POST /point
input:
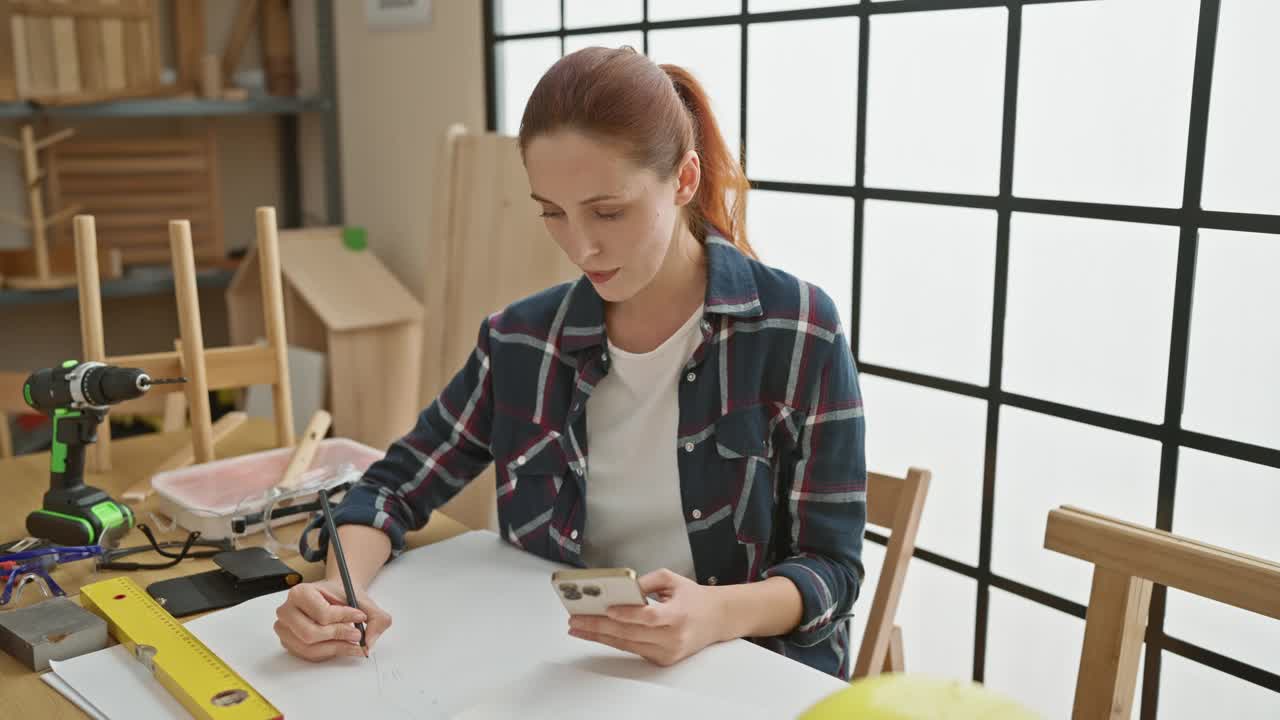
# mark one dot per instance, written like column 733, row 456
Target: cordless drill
column 77, row 394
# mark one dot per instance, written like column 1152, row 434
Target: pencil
column 342, row 562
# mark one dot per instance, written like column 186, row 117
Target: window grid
column 1189, row 218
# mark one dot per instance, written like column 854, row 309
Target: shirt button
column 688, row 447
column 712, row 580
column 604, row 357
column 696, row 514
column 520, row 460
column 691, row 377
column 573, row 535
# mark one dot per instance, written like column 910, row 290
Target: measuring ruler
column 206, row 686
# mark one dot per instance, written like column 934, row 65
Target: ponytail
column 658, row 113
column 721, row 201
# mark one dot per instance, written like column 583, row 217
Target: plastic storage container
column 204, row 498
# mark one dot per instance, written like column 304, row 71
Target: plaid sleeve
column 827, row 506
column 448, row 446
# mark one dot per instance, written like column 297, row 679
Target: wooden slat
column 227, row 367
column 66, row 52
column 89, row 50
column 95, row 184
column 21, row 55
column 1113, row 631
column 246, row 13
column 156, row 146
column 188, row 30
column 40, row 57
column 1231, row 577
column 907, row 508
column 883, row 493
column 115, row 166
column 104, row 202
column 276, row 32
column 137, row 39
column 79, row 8
column 54, row 139
column 8, row 69
column 113, row 50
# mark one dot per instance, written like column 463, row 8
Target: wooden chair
column 894, row 503
column 1127, row 559
column 487, row 248
column 206, row 369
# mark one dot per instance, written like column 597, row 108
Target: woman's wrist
column 761, row 609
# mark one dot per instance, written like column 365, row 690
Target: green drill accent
column 70, row 364
column 109, row 513
column 26, row 391
column 59, row 450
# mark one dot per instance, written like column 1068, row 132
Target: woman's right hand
column 316, row 624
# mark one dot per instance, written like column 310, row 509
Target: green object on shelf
column 355, row 238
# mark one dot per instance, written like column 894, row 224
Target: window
column 1053, row 230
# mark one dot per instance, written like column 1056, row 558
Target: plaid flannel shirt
column 770, row 446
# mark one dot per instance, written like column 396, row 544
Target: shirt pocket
column 746, row 459
column 534, row 452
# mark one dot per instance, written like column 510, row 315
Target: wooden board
column 134, row 187
column 188, row 31
column 79, row 50
column 276, row 32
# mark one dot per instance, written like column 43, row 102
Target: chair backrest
column 894, row 503
column 487, row 248
column 1127, row 559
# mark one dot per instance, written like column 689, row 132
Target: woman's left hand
column 688, row 618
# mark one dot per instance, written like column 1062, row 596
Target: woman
column 717, row 395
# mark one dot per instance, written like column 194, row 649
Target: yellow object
column 207, row 687
column 916, row 697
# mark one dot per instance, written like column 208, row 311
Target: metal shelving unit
column 288, row 110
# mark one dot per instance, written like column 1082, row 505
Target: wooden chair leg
column 1114, row 628
column 6, row 440
column 893, row 662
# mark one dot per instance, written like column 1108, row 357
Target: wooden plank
column 246, row 13
column 188, row 29
column 1248, row 582
column 66, row 53
column 1114, row 627
column 105, row 202
column 276, row 32
column 21, row 55
column 235, row 366
column 41, row 60
column 136, row 63
column 79, row 9
column 272, row 284
column 93, row 184
column 109, row 166
column 8, row 66
column 92, row 339
column 89, row 50
column 886, row 490
column 113, row 51
column 873, row 654
column 150, row 146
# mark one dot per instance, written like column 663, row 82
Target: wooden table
column 25, row 479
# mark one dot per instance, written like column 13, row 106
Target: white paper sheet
column 470, row 615
column 68, row 692
column 564, row 692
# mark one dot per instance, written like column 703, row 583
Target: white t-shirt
column 635, row 517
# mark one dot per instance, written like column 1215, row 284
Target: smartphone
column 592, row 591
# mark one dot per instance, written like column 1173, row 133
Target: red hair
column 655, row 114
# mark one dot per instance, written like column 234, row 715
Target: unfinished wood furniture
column 1127, row 559
column 37, row 222
column 342, row 301
column 60, row 51
column 205, row 370
column 133, row 187
column 894, row 503
column 486, row 249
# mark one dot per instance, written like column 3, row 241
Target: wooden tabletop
column 26, row 478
